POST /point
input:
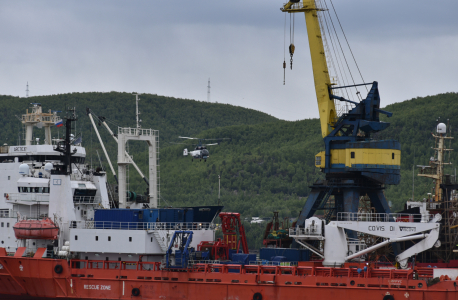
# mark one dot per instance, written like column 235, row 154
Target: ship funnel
column 441, row 128
column 24, row 169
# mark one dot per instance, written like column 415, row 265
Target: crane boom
column 326, row 106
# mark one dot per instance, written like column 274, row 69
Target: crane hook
column 284, row 71
column 291, row 52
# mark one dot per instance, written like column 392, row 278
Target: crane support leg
column 379, row 202
column 351, row 200
column 316, row 196
column 350, row 204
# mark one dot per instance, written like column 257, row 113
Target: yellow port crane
column 355, row 164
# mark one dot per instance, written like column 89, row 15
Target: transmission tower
column 208, row 91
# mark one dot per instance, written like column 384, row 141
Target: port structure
column 354, row 164
column 151, row 137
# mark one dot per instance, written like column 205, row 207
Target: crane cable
column 340, row 68
column 348, row 44
column 341, row 49
column 291, row 39
column 332, row 50
column 284, row 52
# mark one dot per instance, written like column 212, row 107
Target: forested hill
column 267, row 165
column 172, row 116
column 412, row 123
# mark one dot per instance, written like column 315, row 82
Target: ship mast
column 435, row 170
column 39, row 119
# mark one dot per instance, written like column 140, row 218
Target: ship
column 66, row 239
column 63, row 237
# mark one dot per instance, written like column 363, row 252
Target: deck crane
column 354, row 163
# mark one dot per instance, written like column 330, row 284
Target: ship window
column 3, row 224
column 109, row 238
column 76, row 237
column 46, row 190
column 130, row 238
column 106, row 258
column 7, row 224
column 352, row 154
column 84, row 192
column 119, row 258
column 19, row 189
column 9, row 177
column 151, row 239
column 96, row 237
column 392, row 155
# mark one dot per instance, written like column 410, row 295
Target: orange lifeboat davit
column 44, row 229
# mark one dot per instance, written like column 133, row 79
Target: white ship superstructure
column 39, row 181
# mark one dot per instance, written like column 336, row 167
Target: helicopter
column 200, row 151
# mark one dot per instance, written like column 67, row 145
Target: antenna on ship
column 137, row 112
column 27, row 90
column 208, row 91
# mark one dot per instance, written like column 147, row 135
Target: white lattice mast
column 137, row 113
column 208, row 91
column 27, row 90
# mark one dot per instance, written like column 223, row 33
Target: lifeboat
column 44, row 229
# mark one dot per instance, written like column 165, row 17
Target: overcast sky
column 172, row 47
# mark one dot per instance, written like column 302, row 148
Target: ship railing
column 309, row 231
column 137, row 131
column 273, row 263
column 381, row 217
column 303, row 271
column 114, row 265
column 30, row 197
column 86, row 199
column 193, row 262
column 149, row 226
column 5, row 213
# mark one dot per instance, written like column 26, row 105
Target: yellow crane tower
column 354, row 163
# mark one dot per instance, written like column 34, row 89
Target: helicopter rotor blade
column 187, row 137
column 216, row 139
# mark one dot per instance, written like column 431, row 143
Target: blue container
column 289, row 254
column 305, row 255
column 204, row 214
column 243, row 258
column 118, row 218
column 189, row 215
column 150, row 215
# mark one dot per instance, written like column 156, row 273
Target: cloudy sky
column 172, row 47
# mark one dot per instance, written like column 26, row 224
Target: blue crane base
column 346, row 192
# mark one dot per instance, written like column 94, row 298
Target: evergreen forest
column 265, row 164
